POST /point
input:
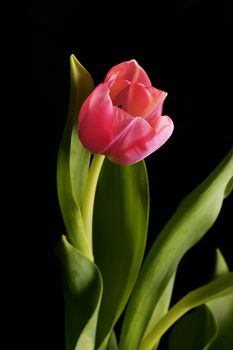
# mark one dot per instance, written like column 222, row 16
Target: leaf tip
column 228, row 188
column 221, row 267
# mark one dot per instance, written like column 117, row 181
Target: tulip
column 122, row 118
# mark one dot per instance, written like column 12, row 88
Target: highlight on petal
column 139, row 140
column 158, row 108
column 95, row 120
column 131, row 71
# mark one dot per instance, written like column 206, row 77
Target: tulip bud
column 122, row 117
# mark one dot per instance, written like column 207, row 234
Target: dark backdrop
column 184, row 46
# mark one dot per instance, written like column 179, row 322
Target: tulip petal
column 157, row 112
column 121, row 122
column 116, row 86
column 139, row 140
column 131, row 71
column 138, row 100
column 157, row 98
column 95, row 120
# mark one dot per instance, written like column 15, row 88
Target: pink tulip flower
column 122, row 117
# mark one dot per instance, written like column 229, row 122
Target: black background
column 184, row 46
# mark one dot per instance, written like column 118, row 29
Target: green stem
column 89, row 195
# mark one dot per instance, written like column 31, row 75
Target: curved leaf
column 218, row 288
column 222, row 311
column 194, row 216
column 73, row 160
column 120, row 231
column 194, row 331
column 197, row 325
column 82, row 291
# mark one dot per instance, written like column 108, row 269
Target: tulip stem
column 89, row 195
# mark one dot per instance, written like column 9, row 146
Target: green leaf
column 221, row 266
column 82, row 279
column 74, row 160
column 161, row 308
column 112, row 345
column 220, row 287
column 120, row 231
column 194, row 216
column 82, row 291
column 222, row 311
column 194, row 331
